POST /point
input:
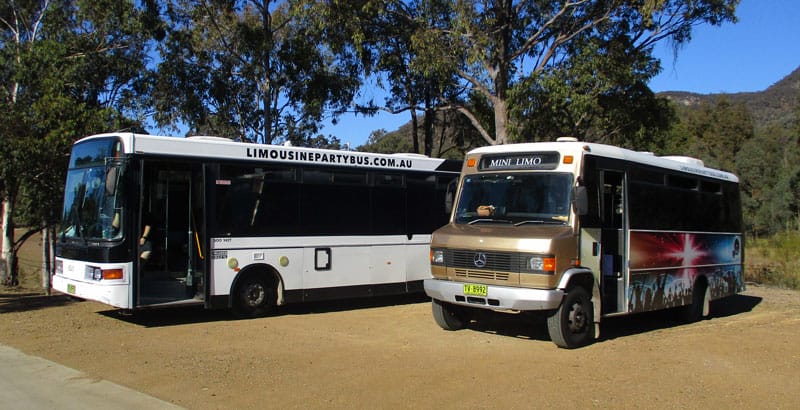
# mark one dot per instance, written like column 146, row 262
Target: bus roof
column 223, row 148
column 578, row 149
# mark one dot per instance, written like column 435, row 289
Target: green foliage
column 381, row 142
column 254, row 70
column 548, row 68
column 68, row 69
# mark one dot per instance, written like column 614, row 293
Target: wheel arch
column 586, row 279
column 263, row 270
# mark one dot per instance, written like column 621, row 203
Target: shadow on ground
column 534, row 326
column 174, row 316
column 15, row 301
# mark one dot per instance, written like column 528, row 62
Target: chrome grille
column 494, row 261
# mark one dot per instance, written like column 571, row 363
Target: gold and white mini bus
column 585, row 231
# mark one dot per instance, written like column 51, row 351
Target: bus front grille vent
column 480, row 274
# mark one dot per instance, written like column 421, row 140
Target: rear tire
column 572, row 325
column 449, row 316
column 252, row 297
column 695, row 311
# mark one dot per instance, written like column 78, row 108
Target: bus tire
column 572, row 324
column 449, row 316
column 693, row 312
column 252, row 297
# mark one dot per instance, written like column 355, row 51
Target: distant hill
column 777, row 105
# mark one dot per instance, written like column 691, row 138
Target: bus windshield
column 92, row 196
column 515, row 199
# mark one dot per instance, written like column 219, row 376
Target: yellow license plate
column 475, row 290
column 70, row 288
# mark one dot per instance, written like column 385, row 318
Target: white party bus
column 154, row 221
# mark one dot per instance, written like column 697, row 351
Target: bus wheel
column 572, row 325
column 448, row 316
column 252, row 297
column 694, row 311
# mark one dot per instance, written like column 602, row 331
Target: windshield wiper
column 488, row 220
column 531, row 221
column 541, row 221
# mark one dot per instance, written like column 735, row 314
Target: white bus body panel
column 322, row 262
column 73, row 281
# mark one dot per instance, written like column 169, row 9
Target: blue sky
column 758, row 51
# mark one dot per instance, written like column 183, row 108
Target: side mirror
column 580, row 200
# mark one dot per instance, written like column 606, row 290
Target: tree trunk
column 46, row 259
column 7, row 257
column 414, row 130
column 430, row 115
column 500, row 121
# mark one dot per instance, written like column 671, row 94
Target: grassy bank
column 774, row 260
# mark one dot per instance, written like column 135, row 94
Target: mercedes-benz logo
column 479, row 259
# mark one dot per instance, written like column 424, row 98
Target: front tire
column 572, row 325
column 252, row 297
column 449, row 316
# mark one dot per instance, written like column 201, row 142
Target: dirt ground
column 389, row 353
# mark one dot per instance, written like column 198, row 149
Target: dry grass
column 774, row 260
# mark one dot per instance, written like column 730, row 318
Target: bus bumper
column 497, row 297
column 111, row 294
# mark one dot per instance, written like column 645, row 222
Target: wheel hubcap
column 577, row 318
column 254, row 295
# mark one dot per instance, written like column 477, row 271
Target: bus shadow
column 534, row 326
column 14, row 302
column 664, row 319
column 176, row 316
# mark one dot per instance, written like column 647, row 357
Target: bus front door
column 170, row 204
column 613, row 241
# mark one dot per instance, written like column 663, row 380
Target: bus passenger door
column 171, row 199
column 612, row 242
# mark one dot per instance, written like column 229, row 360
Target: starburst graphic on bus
column 688, row 252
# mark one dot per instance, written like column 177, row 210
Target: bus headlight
column 437, row 257
column 59, row 267
column 539, row 264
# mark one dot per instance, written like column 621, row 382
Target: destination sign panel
column 532, row 160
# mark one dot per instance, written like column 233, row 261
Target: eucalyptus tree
column 416, row 83
column 68, row 68
column 255, row 70
column 511, row 51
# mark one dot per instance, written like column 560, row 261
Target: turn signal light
column 112, row 274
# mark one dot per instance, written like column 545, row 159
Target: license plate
column 70, row 288
column 475, row 290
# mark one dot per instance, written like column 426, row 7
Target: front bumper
column 497, row 298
